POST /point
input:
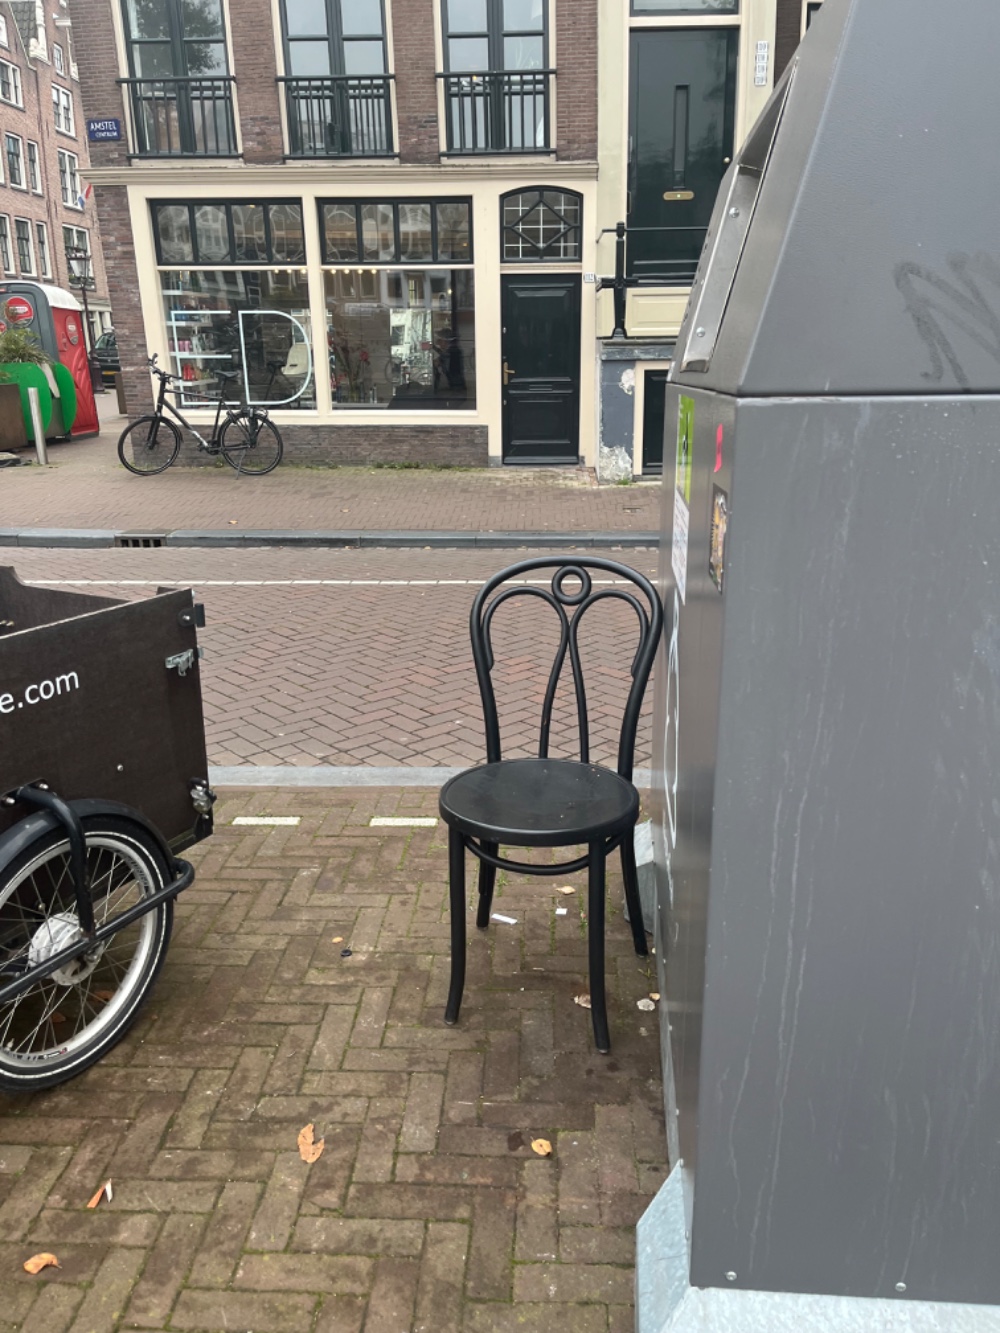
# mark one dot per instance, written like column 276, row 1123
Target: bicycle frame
column 163, row 404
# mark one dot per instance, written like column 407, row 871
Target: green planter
column 26, row 375
column 63, row 407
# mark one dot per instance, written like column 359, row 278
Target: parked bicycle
column 246, row 437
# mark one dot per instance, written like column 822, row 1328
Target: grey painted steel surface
column 828, row 728
column 871, row 265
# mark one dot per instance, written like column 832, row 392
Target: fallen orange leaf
column 310, row 1148
column 39, row 1261
column 104, row 1190
column 541, row 1146
column 654, row 994
column 57, row 1017
column 337, row 939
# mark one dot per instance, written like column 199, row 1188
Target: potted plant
column 24, row 365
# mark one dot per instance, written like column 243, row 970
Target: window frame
column 541, row 190
column 43, row 250
column 495, row 35
column 6, row 254
column 227, row 205
column 62, row 103
column 77, row 232
column 34, row 173
column 691, row 11
column 357, row 202
column 31, row 272
column 177, row 43
column 336, row 42
column 14, row 76
column 58, row 59
column 8, row 138
column 4, row 39
column 74, row 204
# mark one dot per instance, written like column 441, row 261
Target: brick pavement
column 86, row 487
column 378, row 675
column 428, row 1212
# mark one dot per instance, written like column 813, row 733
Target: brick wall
column 576, row 79
column 34, row 121
column 416, row 85
column 256, row 69
column 353, row 446
column 787, row 33
column 123, row 283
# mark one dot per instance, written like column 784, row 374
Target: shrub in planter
column 24, row 363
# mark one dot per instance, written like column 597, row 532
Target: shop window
column 419, row 231
column 229, row 233
column 541, row 226
column 401, row 339
column 255, row 321
column 678, row 7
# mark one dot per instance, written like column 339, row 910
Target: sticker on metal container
column 718, row 531
column 19, row 310
column 682, row 494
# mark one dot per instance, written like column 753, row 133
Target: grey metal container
column 828, row 729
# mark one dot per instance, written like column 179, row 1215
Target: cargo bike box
column 103, row 781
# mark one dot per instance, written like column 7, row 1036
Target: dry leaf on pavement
column 541, row 1146
column 104, row 1190
column 337, row 939
column 566, row 888
column 39, row 1261
column 582, row 1000
column 654, row 994
column 310, row 1149
column 645, row 1005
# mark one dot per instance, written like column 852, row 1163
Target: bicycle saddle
column 227, row 374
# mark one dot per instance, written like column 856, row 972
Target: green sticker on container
column 685, row 444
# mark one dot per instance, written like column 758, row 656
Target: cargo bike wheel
column 68, row 1020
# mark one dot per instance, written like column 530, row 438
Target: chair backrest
column 570, row 607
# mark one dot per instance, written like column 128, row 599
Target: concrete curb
column 355, row 775
column 210, row 537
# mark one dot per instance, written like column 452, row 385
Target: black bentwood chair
column 547, row 802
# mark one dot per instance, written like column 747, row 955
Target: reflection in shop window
column 255, row 321
column 401, row 338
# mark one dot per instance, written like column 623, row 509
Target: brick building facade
column 389, row 216
column 43, row 154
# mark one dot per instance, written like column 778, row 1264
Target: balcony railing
column 182, row 117
column 499, row 112
column 342, row 116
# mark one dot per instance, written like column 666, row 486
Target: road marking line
column 390, row 821
column 284, row 820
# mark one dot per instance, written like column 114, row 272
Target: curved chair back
column 570, row 607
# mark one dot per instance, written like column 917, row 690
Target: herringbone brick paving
column 87, row 487
column 428, row 1211
column 378, row 675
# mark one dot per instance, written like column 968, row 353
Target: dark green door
column 682, row 99
column 541, row 368
column 654, row 394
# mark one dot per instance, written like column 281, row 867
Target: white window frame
column 62, row 104
column 21, row 158
column 43, row 250
column 58, row 59
column 6, row 257
column 73, row 172
column 4, row 39
column 34, row 173
column 14, row 75
column 31, row 272
column 77, row 232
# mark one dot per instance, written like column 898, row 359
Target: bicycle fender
column 26, row 831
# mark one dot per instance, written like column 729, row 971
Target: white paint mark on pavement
column 393, row 821
column 284, row 820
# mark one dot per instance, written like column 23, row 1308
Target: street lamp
column 81, row 276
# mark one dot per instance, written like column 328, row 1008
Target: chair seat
column 539, row 802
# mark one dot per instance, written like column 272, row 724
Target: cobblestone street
column 428, row 1211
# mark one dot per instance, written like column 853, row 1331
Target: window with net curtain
column 541, row 226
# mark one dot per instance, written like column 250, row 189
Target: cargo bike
column 103, row 781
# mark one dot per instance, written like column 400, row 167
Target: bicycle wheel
column 66, row 1021
column 251, row 444
column 149, row 445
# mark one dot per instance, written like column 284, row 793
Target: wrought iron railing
column 183, row 117
column 343, row 116
column 499, row 112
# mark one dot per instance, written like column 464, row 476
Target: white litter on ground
column 286, row 820
column 507, row 920
column 396, row 821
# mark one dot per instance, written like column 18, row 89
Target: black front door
column 654, row 395
column 682, row 99
column 541, row 367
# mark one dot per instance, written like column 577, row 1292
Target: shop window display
column 402, row 338
column 255, row 321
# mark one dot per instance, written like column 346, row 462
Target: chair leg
column 630, row 874
column 487, row 882
column 595, row 945
column 456, row 893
